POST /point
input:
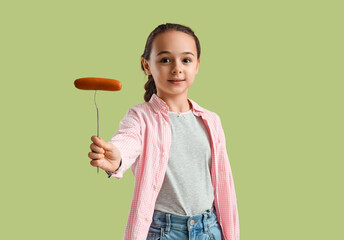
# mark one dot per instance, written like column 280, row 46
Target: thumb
column 105, row 145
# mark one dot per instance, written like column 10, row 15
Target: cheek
column 162, row 70
column 156, row 67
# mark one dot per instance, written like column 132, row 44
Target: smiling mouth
column 176, row 80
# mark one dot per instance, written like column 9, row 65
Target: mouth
column 176, row 80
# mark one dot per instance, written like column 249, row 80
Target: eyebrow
column 162, row 52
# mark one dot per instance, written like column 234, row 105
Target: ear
column 145, row 65
column 198, row 62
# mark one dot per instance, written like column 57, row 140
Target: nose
column 176, row 68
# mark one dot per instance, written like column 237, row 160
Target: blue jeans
column 167, row 226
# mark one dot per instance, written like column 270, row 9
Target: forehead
column 175, row 42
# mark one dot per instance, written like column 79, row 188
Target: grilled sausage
column 96, row 83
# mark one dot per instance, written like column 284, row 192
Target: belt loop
column 205, row 229
column 168, row 223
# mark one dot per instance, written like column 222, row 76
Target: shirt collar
column 160, row 105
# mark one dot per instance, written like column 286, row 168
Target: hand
column 104, row 155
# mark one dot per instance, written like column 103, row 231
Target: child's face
column 173, row 56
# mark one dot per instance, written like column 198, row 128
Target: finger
column 96, row 140
column 97, row 149
column 95, row 163
column 95, row 156
column 103, row 164
column 101, row 143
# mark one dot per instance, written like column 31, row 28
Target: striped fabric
column 144, row 140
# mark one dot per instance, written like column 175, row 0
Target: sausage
column 96, row 83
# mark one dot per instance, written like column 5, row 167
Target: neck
column 176, row 103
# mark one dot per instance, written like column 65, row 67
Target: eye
column 187, row 60
column 164, row 60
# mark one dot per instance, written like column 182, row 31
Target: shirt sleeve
column 225, row 164
column 128, row 140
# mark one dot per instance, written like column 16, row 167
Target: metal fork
column 95, row 92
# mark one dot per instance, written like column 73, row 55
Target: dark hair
column 150, row 84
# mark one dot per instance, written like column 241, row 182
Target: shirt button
column 155, row 186
column 164, row 154
column 147, row 219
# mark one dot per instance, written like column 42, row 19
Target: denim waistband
column 167, row 220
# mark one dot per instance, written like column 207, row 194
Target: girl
column 176, row 149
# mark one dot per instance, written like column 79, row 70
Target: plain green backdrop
column 272, row 71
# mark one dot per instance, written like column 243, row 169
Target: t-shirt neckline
column 179, row 113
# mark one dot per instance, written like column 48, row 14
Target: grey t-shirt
column 187, row 188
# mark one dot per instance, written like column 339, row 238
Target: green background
column 272, row 71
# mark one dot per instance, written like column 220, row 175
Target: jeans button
column 192, row 222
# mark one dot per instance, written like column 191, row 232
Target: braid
column 150, row 88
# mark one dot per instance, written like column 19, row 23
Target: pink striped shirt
column 144, row 140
